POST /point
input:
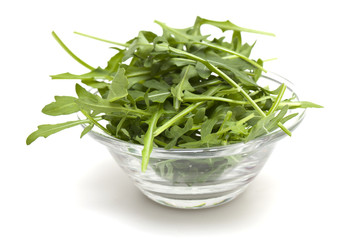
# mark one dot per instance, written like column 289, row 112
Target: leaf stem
column 148, row 140
column 176, row 118
column 70, row 52
column 87, row 115
column 278, row 99
column 221, row 99
column 270, row 59
column 103, row 40
column 212, row 98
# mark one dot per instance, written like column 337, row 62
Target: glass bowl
column 199, row 177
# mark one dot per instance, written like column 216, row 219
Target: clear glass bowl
column 199, row 177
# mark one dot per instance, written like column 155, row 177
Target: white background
column 64, row 187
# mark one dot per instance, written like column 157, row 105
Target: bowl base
column 203, row 202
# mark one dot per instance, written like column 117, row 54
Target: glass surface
column 199, row 177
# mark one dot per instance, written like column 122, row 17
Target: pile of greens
column 178, row 90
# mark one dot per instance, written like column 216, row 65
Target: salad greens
column 180, row 89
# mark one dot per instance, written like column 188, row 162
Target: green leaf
column 140, row 47
column 207, row 127
column 159, row 85
column 49, row 129
column 179, row 62
column 62, row 106
column 266, row 124
column 118, row 87
column 115, row 61
column 239, row 55
column 104, row 106
column 155, row 96
column 202, row 70
column 83, row 93
column 87, row 129
column 299, row 104
column 258, row 71
column 176, row 132
column 159, row 96
column 233, row 67
column 199, row 116
column 181, row 35
column 95, row 84
column 236, row 127
column 98, row 73
column 277, row 100
column 227, row 25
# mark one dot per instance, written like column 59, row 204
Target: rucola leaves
column 177, row 90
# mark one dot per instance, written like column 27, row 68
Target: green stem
column 118, row 127
column 103, row 40
column 70, row 52
column 148, row 140
column 95, row 122
column 222, row 99
column 278, row 99
column 270, row 59
column 207, row 83
column 212, row 98
column 136, row 74
column 284, row 129
column 275, row 106
column 176, row 118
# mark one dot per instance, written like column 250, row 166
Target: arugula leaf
column 49, row 129
column 266, row 124
column 227, row 25
column 159, row 96
column 95, row 84
column 155, row 84
column 118, row 87
column 181, row 35
column 115, row 61
column 82, row 93
column 62, row 106
column 87, row 129
column 97, row 73
column 299, row 104
column 207, row 127
column 176, row 132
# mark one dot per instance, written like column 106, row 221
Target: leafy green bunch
column 177, row 90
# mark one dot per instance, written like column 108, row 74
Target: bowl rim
column 269, row 137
